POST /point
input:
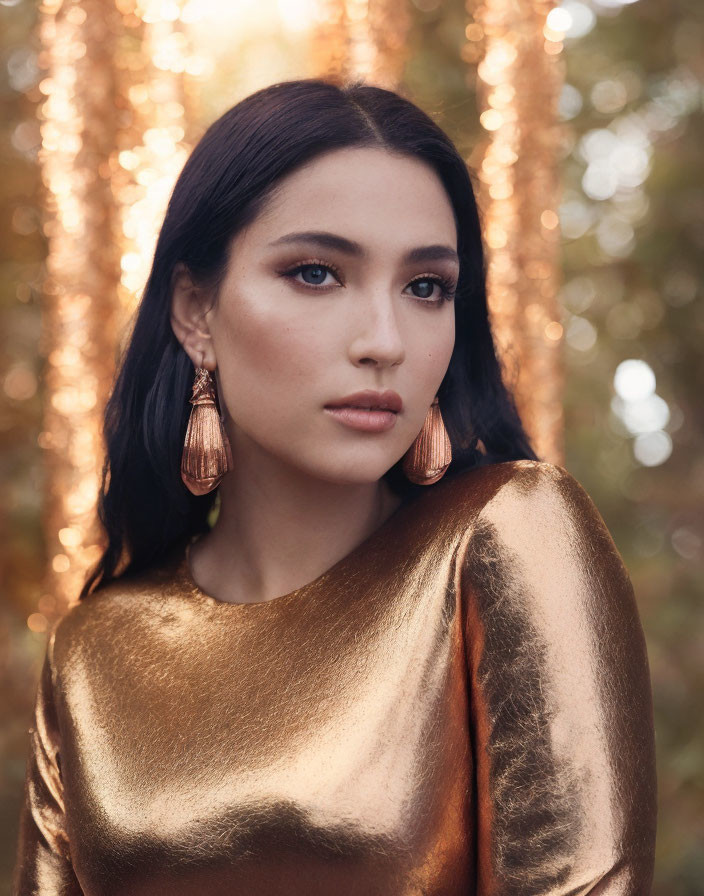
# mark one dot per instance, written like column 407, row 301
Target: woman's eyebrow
column 327, row 240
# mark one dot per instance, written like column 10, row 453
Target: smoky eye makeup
column 319, row 272
column 315, row 267
column 447, row 285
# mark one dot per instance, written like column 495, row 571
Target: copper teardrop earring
column 431, row 452
column 206, row 449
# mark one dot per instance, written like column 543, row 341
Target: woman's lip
column 376, row 420
column 387, row 400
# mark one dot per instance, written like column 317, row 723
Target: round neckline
column 196, row 591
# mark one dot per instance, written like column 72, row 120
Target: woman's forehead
column 365, row 196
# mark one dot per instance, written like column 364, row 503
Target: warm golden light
column 549, row 219
column 37, row 622
column 519, row 78
column 78, row 43
column 357, row 38
column 491, row 120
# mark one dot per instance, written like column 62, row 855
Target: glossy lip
column 387, row 401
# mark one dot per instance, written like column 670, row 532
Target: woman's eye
column 426, row 285
column 316, row 272
column 313, row 274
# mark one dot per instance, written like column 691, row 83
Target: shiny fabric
column 461, row 705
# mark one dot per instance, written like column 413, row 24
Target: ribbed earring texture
column 429, row 456
column 206, row 450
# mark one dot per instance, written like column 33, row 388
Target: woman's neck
column 278, row 529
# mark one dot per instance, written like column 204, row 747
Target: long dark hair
column 144, row 506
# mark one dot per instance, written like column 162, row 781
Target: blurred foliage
column 632, row 220
column 642, row 294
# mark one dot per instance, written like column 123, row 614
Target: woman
column 400, row 655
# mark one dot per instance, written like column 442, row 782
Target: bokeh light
column 634, row 380
column 520, row 78
column 643, row 413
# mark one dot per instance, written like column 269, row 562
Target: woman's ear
column 188, row 319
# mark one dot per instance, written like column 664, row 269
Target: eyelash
column 447, row 286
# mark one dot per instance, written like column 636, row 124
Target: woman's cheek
column 436, row 356
column 267, row 381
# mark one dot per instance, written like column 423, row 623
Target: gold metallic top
column 461, row 705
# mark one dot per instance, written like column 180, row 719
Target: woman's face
column 301, row 322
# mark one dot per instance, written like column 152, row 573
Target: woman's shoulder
column 120, row 611
column 523, row 486
column 531, row 518
column 526, row 506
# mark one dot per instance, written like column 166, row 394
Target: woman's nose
column 378, row 338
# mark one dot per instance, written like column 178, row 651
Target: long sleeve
column 560, row 697
column 43, row 864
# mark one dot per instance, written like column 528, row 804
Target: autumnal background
column 625, row 355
